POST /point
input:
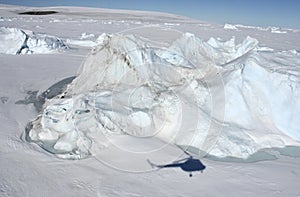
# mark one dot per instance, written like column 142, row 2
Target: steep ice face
column 11, row 40
column 17, row 41
column 262, row 105
column 222, row 98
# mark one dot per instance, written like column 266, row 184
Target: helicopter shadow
column 189, row 164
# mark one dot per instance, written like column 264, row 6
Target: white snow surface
column 18, row 41
column 226, row 99
column 120, row 167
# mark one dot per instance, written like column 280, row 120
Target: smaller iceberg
column 16, row 41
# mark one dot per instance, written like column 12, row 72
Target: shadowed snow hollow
column 17, row 41
column 222, row 98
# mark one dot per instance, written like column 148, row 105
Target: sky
column 282, row 13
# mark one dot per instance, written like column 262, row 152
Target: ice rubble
column 276, row 30
column 17, row 41
column 225, row 99
column 230, row 26
column 84, row 40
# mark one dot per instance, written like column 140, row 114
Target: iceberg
column 17, row 41
column 223, row 98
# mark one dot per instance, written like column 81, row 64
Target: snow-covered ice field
column 145, row 87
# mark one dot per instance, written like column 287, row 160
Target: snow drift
column 225, row 99
column 17, row 41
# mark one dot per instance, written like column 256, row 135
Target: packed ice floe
column 222, row 98
column 237, row 27
column 17, row 41
column 230, row 26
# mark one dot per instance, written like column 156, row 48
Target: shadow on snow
column 189, row 164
